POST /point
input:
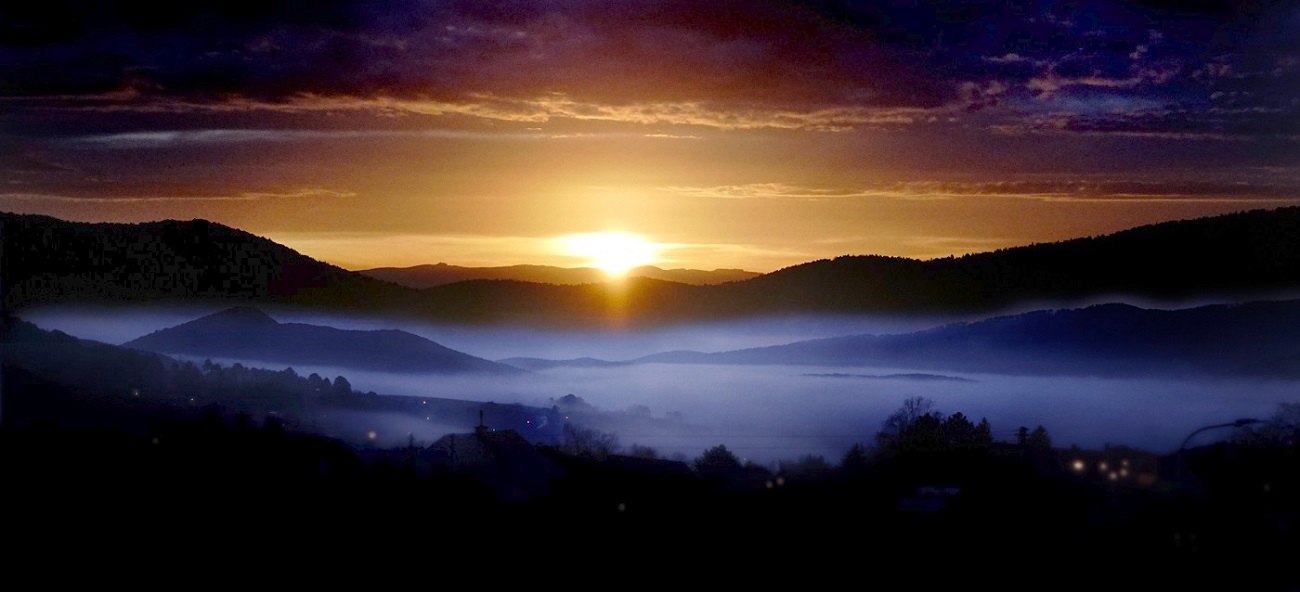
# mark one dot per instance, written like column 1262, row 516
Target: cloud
column 160, row 138
column 776, row 191
column 727, row 65
column 532, row 110
column 18, row 162
column 118, row 199
column 1051, row 83
column 1065, row 189
column 668, row 52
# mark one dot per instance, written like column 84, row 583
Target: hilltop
column 247, row 333
column 1235, row 257
column 429, row 276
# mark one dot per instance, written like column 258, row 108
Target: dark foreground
column 235, row 499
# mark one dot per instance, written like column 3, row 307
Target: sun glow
column 612, row 252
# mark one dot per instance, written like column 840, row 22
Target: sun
column 612, row 252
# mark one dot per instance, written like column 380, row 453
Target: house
column 503, row 459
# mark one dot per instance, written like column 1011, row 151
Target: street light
column 1240, row 423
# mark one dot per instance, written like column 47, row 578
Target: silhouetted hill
column 45, row 260
column 1238, row 257
column 631, row 302
column 428, row 276
column 1244, row 256
column 248, row 333
column 52, row 378
column 1256, row 339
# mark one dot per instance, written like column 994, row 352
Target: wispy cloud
column 783, row 65
column 1054, row 190
column 777, row 191
column 534, row 110
column 119, row 199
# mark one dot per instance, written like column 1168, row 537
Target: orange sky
column 732, row 135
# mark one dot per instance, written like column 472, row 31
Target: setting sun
column 612, row 252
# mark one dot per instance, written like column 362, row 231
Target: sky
column 726, row 134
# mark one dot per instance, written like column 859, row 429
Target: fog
column 772, row 413
column 119, row 324
column 764, row 414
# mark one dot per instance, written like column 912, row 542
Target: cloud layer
column 1207, row 69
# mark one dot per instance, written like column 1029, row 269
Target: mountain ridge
column 433, row 275
column 48, row 260
column 244, row 332
column 1243, row 256
column 1251, row 339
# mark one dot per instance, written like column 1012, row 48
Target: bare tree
column 913, row 408
column 582, row 441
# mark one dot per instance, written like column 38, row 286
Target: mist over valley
column 909, row 395
column 703, row 386
column 1137, row 339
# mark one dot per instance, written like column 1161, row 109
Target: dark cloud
column 729, row 56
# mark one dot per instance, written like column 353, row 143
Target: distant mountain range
column 1235, row 257
column 1257, row 339
column 429, row 276
column 53, row 379
column 249, row 334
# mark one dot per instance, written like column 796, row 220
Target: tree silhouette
column 894, row 426
column 1038, row 439
column 855, row 460
column 807, row 467
column 641, row 451
column 1282, row 428
column 959, row 433
column 916, row 427
column 580, row 441
column 719, row 462
column 911, row 409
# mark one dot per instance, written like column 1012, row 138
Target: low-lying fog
column 765, row 413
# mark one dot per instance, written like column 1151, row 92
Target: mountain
column 428, row 276
column 1256, row 339
column 247, row 333
column 52, row 379
column 47, row 260
column 1240, row 256
column 1235, row 257
column 1244, row 256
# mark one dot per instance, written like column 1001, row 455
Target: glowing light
column 612, row 252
